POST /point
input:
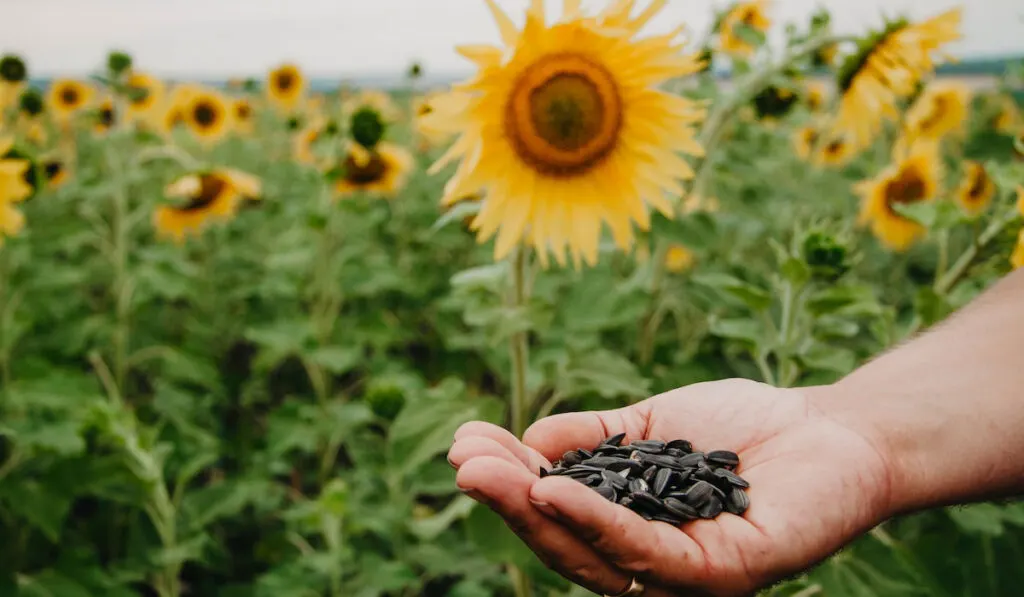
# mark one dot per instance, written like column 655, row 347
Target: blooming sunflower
column 815, row 95
column 913, row 178
column 383, row 170
column 242, row 111
column 286, row 87
column 146, row 98
column 750, row 15
column 1017, row 259
column 208, row 115
column 977, row 189
column 939, row 111
column 56, row 171
column 378, row 101
column 566, row 129
column 836, row 151
column 177, row 104
column 887, row 67
column 209, row 196
column 1008, row 120
column 429, row 135
column 66, row 97
column 679, row 258
column 805, row 140
column 304, row 145
column 105, row 117
column 13, row 188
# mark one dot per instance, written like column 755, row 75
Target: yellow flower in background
column 146, row 98
column 1017, row 259
column 941, row 110
column 286, row 87
column 977, row 189
column 105, row 117
column 695, row 203
column 887, row 68
column 1009, row 120
column 744, row 14
column 177, row 105
column 208, row 115
column 67, row 97
column 834, row 152
column 679, row 259
column 207, row 197
column 57, row 172
column 383, row 171
column 816, row 95
column 304, row 145
column 379, row 101
column 913, row 178
column 10, row 93
column 13, row 189
column 241, row 109
column 423, row 108
column 805, row 140
column 1020, row 200
column 565, row 130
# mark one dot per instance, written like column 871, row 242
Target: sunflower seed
column 672, row 520
column 680, row 444
column 638, row 485
column 662, row 480
column 732, row 478
column 691, row 460
column 699, row 493
column 571, row 458
column 606, row 492
column 649, row 474
column 593, row 480
column 614, row 479
column 646, row 501
column 712, row 508
column 705, row 473
column 636, row 456
column 543, row 472
column 651, row 446
column 681, row 509
column 724, row 458
column 738, row 501
column 601, row 461
column 615, row 440
column 584, row 454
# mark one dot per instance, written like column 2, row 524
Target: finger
column 505, row 488
column 553, row 436
column 650, row 551
column 475, row 446
column 531, row 458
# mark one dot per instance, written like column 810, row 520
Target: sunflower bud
column 31, row 103
column 774, row 102
column 118, row 63
column 13, row 69
column 415, row 70
column 827, row 256
column 385, row 398
column 250, row 85
column 367, row 127
column 293, row 123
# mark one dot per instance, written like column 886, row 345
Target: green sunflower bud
column 118, row 63
column 827, row 256
column 385, row 398
column 415, row 70
column 368, row 127
column 31, row 103
column 13, row 69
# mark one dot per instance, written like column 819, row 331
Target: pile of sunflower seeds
column 665, row 481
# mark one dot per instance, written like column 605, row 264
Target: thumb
column 553, row 436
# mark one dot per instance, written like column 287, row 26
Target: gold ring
column 635, row 588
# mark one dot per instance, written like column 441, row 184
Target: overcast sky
column 337, row 37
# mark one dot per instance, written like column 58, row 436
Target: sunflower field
column 240, row 323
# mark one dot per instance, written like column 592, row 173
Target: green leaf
column 41, row 504
column 485, row 276
column 795, row 271
column 206, row 505
column 428, row 529
column 425, row 429
column 487, row 531
column 828, row 358
column 752, row 296
column 603, row 373
column 748, row 34
column 62, row 438
column 336, row 359
column 934, row 215
column 850, row 300
column 737, row 329
column 978, row 519
column 50, row 583
column 931, row 307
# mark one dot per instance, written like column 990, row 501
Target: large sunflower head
column 913, row 178
column 382, row 171
column 565, row 130
column 145, row 97
column 977, row 189
column 887, row 67
column 203, row 198
column 286, row 86
column 208, row 115
column 940, row 110
column 67, row 97
column 743, row 20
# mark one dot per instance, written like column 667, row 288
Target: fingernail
column 545, row 508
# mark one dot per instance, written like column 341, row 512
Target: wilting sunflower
column 382, row 171
column 805, row 140
column 750, row 15
column 66, row 97
column 976, row 190
column 939, row 111
column 566, row 130
column 886, row 68
column 13, row 188
column 146, row 98
column 679, row 258
column 286, row 87
column 208, row 115
column 242, row 111
column 208, row 197
column 913, row 178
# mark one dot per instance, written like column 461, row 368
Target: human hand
column 815, row 485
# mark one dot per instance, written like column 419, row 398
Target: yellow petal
column 509, row 33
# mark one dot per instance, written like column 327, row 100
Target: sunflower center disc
column 564, row 115
column 69, row 96
column 285, row 81
column 907, row 188
column 243, row 111
column 361, row 174
column 205, row 114
column 978, row 185
column 210, row 188
column 107, row 116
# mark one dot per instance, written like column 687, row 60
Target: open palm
column 815, row 485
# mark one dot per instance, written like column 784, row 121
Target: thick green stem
column 120, row 286
column 518, row 348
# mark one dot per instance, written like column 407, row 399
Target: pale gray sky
column 332, row 37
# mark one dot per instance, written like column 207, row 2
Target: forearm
column 946, row 410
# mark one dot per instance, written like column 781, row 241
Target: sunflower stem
column 520, row 406
column 120, row 285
